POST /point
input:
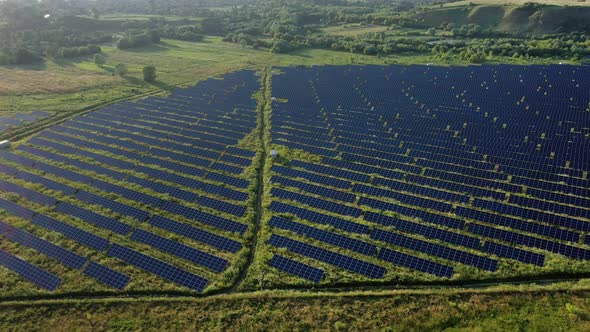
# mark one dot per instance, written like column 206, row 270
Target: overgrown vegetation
column 511, row 311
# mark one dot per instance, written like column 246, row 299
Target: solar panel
column 311, row 177
column 435, row 250
column 324, row 236
column 316, row 190
column 27, row 239
column 107, row 276
column 348, row 263
column 205, row 218
column 529, row 241
column 29, row 194
column 78, row 235
column 93, row 218
column 218, row 205
column 317, row 203
column 16, row 209
column 120, row 208
column 426, row 231
column 415, row 263
column 47, row 183
column 30, row 272
column 320, row 218
column 126, row 193
column 180, row 250
column 297, row 269
column 232, row 181
column 7, row 169
column 196, row 234
column 514, row 253
column 159, row 268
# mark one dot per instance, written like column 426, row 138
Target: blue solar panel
column 120, row 208
column 320, row 218
column 311, row 177
column 164, row 189
column 205, row 218
column 514, row 253
column 47, row 183
column 29, row 194
column 7, row 169
column 316, row 190
column 30, row 272
column 78, row 235
column 27, row 239
column 180, row 250
column 435, row 250
column 317, row 203
column 529, row 241
column 426, row 231
column 218, row 205
column 329, row 257
column 196, row 234
column 126, row 193
column 159, row 268
column 232, row 181
column 415, row 263
column 16, row 209
column 107, row 276
column 297, row 269
column 324, row 236
column 94, row 218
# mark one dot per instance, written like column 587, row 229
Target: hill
column 530, row 17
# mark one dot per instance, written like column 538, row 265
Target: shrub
column 149, row 73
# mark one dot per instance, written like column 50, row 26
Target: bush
column 99, row 59
column 131, row 41
column 121, row 69
column 149, row 73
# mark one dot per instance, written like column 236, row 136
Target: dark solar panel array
column 29, row 271
column 345, row 262
column 297, row 269
column 159, row 268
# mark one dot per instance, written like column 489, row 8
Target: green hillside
column 527, row 18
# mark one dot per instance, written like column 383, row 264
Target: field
column 353, row 29
column 361, row 311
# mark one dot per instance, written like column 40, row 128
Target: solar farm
column 384, row 175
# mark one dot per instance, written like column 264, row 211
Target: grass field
column 385, row 311
column 353, row 29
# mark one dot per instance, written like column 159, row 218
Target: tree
column 149, row 73
column 99, row 59
column 121, row 69
column 431, row 31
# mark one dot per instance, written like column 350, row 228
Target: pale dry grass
column 23, row 80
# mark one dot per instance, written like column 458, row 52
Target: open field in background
column 518, row 311
column 353, row 29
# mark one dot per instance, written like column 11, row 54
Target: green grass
column 353, row 29
column 273, row 311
